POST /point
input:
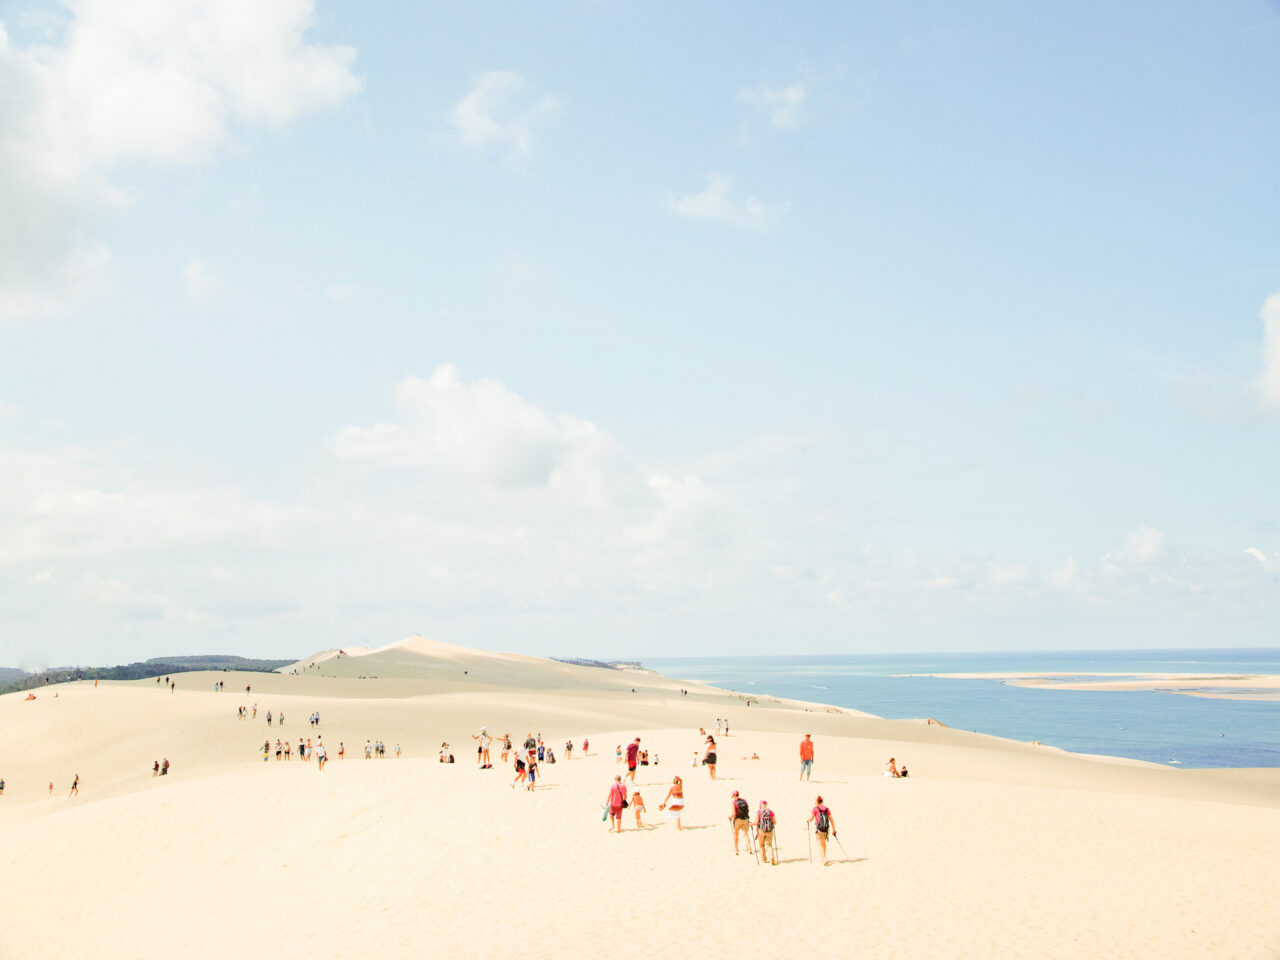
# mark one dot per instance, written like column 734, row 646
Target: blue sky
column 627, row 330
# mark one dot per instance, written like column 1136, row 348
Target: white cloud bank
column 717, row 203
column 498, row 113
column 478, row 514
column 783, row 106
column 136, row 80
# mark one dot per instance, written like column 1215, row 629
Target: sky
column 619, row 330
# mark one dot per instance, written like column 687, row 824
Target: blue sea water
column 1145, row 725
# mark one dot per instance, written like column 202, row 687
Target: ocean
column 1157, row 726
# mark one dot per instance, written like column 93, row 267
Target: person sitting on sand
column 638, row 807
column 616, row 800
column 674, row 802
column 891, row 769
column 903, row 772
column 823, row 823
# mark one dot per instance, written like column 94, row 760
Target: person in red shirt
column 823, row 824
column 806, row 757
column 766, row 820
column 633, row 756
column 617, row 798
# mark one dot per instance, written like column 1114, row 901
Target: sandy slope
column 992, row 849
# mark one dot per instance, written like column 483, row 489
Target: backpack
column 824, row 822
column 766, row 821
column 741, row 809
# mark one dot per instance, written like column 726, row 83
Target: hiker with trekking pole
column 823, row 823
column 765, row 843
column 740, row 822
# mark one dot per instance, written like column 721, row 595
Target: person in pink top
column 823, row 824
column 617, row 799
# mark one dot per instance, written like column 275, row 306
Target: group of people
column 635, row 756
column 306, row 750
column 160, row 770
column 764, row 841
column 376, row 748
column 619, row 800
column 758, row 831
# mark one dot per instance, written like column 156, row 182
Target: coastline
column 992, row 848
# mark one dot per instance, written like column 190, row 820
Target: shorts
column 741, row 824
column 806, row 766
column 711, row 759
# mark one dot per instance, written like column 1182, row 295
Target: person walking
column 806, row 757
column 633, row 757
column 709, row 759
column 482, row 749
column 321, row 756
column 616, row 800
column 823, row 824
column 765, row 822
column 673, row 804
column 740, row 820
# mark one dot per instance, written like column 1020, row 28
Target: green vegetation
column 12, row 680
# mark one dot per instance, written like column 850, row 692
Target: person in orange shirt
column 806, row 757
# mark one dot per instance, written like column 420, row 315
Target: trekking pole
column 755, row 848
column 836, row 837
column 809, row 835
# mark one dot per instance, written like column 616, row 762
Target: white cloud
column 717, row 203
column 200, row 280
column 1269, row 382
column 782, row 106
column 1141, row 546
column 1256, row 554
column 497, row 113
column 483, row 432
column 340, row 293
column 110, row 592
column 1065, row 576
column 133, row 80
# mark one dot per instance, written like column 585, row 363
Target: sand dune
column 991, row 849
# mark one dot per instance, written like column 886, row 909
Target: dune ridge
column 991, row 849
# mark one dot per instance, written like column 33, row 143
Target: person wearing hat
column 740, row 819
column 482, row 748
column 633, row 756
column 766, row 820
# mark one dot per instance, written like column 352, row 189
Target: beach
column 991, row 848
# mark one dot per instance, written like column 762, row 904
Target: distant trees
column 15, row 680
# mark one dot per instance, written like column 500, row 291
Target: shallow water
column 1145, row 725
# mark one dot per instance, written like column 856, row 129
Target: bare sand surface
column 1261, row 686
column 991, row 849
